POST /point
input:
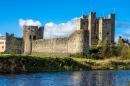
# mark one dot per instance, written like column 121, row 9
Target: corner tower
column 82, row 23
column 40, row 31
column 82, row 35
column 112, row 17
column 104, row 28
column 93, row 29
column 31, row 33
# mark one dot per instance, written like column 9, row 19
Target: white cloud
column 0, row 35
column 29, row 22
column 53, row 30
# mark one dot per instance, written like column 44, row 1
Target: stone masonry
column 99, row 28
column 31, row 33
column 89, row 31
column 77, row 42
column 14, row 45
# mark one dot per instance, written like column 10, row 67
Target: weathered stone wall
column 112, row 17
column 92, row 29
column 14, row 45
column 77, row 42
column 50, row 46
column 104, row 29
column 82, row 23
column 31, row 33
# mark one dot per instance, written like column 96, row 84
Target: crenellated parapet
column 99, row 28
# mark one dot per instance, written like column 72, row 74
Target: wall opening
column 2, row 47
column 107, row 33
column 34, row 37
column 83, row 23
column 96, row 37
column 30, row 37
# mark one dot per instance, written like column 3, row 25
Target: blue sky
column 58, row 16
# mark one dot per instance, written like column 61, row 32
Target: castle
column 89, row 31
column 99, row 28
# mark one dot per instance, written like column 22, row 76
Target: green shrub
column 78, row 55
column 125, row 52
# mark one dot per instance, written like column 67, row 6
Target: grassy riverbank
column 23, row 63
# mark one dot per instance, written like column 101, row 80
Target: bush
column 78, row 55
column 125, row 53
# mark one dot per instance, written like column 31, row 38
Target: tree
column 112, row 49
column 125, row 52
column 119, row 43
column 119, row 46
column 99, row 43
column 106, row 48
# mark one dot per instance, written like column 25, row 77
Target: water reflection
column 94, row 78
column 84, row 78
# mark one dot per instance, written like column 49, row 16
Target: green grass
column 29, row 63
column 83, row 59
column 78, row 59
column 12, row 63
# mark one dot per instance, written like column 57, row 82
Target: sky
column 59, row 16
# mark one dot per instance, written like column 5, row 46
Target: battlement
column 77, row 42
column 84, row 16
column 94, row 13
column 89, row 31
column 99, row 28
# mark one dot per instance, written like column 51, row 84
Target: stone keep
column 99, row 28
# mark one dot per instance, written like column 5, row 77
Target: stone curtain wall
column 14, row 45
column 50, row 46
column 77, row 42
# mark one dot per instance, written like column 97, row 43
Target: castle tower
column 99, row 28
column 104, row 28
column 93, row 29
column 31, row 33
column 112, row 17
column 82, row 23
column 82, row 39
column 41, row 29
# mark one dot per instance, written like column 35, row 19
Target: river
column 77, row 78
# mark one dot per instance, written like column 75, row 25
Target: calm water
column 79, row 78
